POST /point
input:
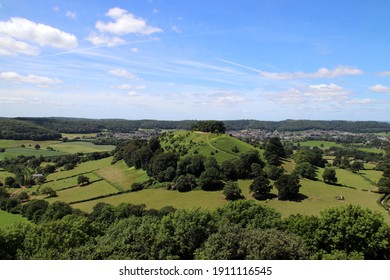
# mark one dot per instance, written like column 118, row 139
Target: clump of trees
column 209, row 126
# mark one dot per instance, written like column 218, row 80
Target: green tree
column 211, row 180
column 82, row 180
column 306, row 170
column 356, row 166
column 48, row 191
column 260, row 187
column 9, row 181
column 354, row 229
column 185, row 183
column 232, row 191
column 56, row 211
column 48, row 169
column 287, row 186
column 273, row 172
column 329, row 176
column 384, row 185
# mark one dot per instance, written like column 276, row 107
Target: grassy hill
column 219, row 146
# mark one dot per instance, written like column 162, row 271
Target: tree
column 185, row 183
column 37, row 146
column 356, row 166
column 163, row 166
column 9, row 181
column 57, row 211
column 49, row 169
column 260, row 187
column 82, row 180
column 384, row 185
column 306, row 170
column 232, row 191
column 48, row 191
column 210, row 180
column 287, row 186
column 354, row 229
column 329, row 176
column 229, row 170
column 273, row 172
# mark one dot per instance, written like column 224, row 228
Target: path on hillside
column 211, row 145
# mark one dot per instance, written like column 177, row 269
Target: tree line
column 238, row 230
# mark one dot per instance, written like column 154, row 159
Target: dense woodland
column 76, row 125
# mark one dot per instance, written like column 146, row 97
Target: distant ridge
column 83, row 125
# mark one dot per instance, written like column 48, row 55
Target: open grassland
column 373, row 175
column 123, row 176
column 85, row 192
column 227, row 144
column 328, row 144
column 13, row 148
column 320, row 144
column 64, row 183
column 79, row 135
column 4, row 174
column 85, row 167
column 81, row 147
column 8, row 218
column 315, row 196
column 158, row 198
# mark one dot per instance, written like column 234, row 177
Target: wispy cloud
column 123, row 73
column 320, row 73
column 31, row 79
column 380, row 88
column 100, row 39
column 383, row 73
column 71, row 14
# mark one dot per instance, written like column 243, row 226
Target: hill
column 79, row 125
column 25, row 130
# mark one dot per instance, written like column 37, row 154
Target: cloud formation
column 125, row 23
column 37, row 33
column 383, row 73
column 101, row 39
column 123, row 73
column 31, row 79
column 380, row 88
column 320, row 73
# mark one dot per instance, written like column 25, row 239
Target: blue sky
column 205, row 59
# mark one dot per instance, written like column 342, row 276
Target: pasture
column 8, row 218
column 14, row 148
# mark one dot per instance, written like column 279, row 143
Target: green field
column 121, row 175
column 13, row 148
column 4, row 174
column 64, row 183
column 8, row 218
column 320, row 144
column 85, row 167
column 85, row 192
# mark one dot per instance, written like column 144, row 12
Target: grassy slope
column 8, row 218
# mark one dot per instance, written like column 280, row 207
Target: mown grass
column 122, row 175
column 85, row 167
column 4, row 174
column 85, row 192
column 64, row 183
column 158, row 198
column 13, row 148
column 8, row 218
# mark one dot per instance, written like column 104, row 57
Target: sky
column 204, row 59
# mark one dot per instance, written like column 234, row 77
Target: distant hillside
column 77, row 125
column 23, row 130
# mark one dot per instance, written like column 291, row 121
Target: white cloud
column 31, row 79
column 125, row 23
column 134, row 50
column 227, row 98
column 123, row 73
column 320, row 73
column 176, row 29
column 98, row 40
column 10, row 46
column 383, row 73
column 155, row 11
column 71, row 14
column 41, row 34
column 325, row 92
column 380, row 88
column 129, row 87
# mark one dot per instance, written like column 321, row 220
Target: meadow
column 8, row 218
column 14, row 148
